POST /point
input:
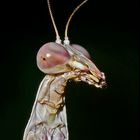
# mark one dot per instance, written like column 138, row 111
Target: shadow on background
column 108, row 31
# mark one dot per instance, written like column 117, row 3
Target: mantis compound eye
column 51, row 58
column 82, row 50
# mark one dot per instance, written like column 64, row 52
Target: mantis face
column 54, row 58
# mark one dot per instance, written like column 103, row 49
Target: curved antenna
column 58, row 40
column 66, row 40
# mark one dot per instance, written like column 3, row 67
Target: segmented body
column 48, row 119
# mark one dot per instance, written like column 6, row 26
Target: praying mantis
column 60, row 62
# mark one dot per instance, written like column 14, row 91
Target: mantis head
column 54, row 58
column 58, row 58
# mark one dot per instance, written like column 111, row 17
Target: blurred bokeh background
column 108, row 30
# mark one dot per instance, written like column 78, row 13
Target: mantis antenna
column 66, row 40
column 58, row 40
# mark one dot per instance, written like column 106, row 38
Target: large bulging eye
column 82, row 50
column 51, row 57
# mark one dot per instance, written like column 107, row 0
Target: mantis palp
column 61, row 62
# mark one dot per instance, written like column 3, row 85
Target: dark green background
column 108, row 30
